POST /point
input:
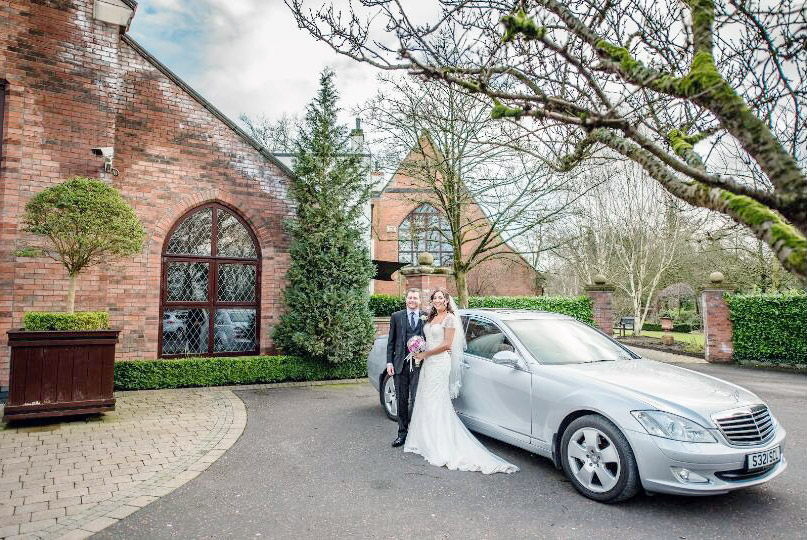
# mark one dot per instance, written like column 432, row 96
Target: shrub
column 683, row 328
column 187, row 372
column 769, row 328
column 80, row 320
column 579, row 307
column 82, row 222
column 384, row 305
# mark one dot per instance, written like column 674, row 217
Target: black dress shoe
column 398, row 442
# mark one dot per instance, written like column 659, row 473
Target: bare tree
column 489, row 194
column 631, row 230
column 644, row 79
column 275, row 135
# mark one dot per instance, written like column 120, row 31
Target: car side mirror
column 507, row 358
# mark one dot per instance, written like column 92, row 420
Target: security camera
column 105, row 151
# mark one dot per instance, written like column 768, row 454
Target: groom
column 403, row 325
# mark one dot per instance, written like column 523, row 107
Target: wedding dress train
column 435, row 430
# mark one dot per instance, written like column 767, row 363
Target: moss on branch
column 520, row 23
column 680, row 142
column 500, row 110
column 755, row 214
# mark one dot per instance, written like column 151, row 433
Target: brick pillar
column 425, row 276
column 602, row 295
column 425, row 281
column 716, row 321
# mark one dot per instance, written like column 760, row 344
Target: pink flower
column 416, row 344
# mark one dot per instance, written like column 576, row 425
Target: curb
column 259, row 386
column 662, row 349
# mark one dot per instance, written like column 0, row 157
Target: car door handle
column 465, row 365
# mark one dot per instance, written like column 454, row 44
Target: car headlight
column 671, row 426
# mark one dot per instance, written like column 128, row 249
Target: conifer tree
column 327, row 293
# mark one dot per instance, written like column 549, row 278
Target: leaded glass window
column 425, row 229
column 211, row 285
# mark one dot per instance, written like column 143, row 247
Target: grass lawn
column 694, row 340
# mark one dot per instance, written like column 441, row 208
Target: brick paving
column 72, row 478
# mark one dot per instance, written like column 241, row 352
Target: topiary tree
column 327, row 294
column 83, row 222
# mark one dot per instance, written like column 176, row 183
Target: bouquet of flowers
column 416, row 344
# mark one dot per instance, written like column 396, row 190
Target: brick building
column 405, row 223
column 210, row 277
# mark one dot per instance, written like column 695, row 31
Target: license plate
column 760, row 460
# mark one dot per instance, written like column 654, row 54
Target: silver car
column 614, row 422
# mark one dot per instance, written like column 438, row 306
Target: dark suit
column 406, row 382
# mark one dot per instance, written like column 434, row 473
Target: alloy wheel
column 390, row 401
column 594, row 459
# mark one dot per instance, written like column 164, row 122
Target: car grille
column 741, row 475
column 747, row 426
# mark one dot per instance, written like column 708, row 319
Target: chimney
column 357, row 135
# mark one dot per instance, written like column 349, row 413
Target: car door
column 495, row 395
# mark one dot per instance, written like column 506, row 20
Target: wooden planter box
column 60, row 373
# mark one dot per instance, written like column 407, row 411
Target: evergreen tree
column 327, row 294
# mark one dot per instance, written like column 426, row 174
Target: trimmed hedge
column 79, row 320
column 682, row 328
column 579, row 307
column 769, row 328
column 187, row 372
column 384, row 305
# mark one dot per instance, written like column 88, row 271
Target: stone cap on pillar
column 717, row 282
column 425, row 265
column 600, row 284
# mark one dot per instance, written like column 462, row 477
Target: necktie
column 412, row 319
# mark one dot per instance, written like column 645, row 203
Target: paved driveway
column 317, row 462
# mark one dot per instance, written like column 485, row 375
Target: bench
column 624, row 324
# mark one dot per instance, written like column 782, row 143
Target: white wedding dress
column 435, row 430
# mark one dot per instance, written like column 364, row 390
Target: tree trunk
column 461, row 279
column 71, row 294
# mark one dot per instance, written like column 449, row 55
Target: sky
column 246, row 56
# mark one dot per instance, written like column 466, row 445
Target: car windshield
column 561, row 341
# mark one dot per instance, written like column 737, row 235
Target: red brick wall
column 717, row 326
column 381, row 326
column 74, row 84
column 602, row 308
column 496, row 277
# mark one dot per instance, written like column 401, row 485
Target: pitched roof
column 205, row 103
column 425, row 137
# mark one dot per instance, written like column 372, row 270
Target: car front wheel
column 598, row 460
column 388, row 399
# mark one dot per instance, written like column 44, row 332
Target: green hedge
column 384, row 305
column 186, row 372
column 579, row 307
column 682, row 328
column 769, row 328
column 79, row 320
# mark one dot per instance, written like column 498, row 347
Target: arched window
column 425, row 229
column 210, row 293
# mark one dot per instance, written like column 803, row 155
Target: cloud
column 246, row 56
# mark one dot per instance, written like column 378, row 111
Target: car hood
column 666, row 387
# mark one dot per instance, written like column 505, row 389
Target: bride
column 435, row 430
